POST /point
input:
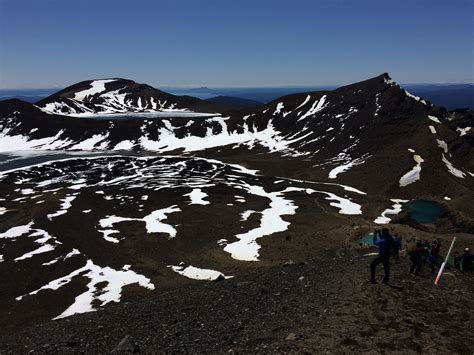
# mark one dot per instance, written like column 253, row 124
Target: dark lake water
column 424, row 211
column 146, row 115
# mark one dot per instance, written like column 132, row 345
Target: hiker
column 385, row 245
column 397, row 247
column 415, row 258
column 466, row 261
column 457, row 260
column 425, row 252
column 436, row 248
column 433, row 257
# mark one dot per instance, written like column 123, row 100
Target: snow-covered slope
column 347, row 132
column 109, row 96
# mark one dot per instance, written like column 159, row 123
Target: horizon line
column 199, row 86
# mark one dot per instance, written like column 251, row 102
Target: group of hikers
column 420, row 252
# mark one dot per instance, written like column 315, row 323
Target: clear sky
column 227, row 43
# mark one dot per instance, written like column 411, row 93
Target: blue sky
column 227, row 43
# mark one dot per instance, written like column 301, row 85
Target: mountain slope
column 167, row 199
column 108, row 96
column 353, row 129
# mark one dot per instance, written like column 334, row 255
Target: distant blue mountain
column 451, row 96
column 28, row 95
column 255, row 94
column 236, row 103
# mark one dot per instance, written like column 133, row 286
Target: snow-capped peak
column 97, row 86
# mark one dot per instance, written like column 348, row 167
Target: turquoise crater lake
column 421, row 211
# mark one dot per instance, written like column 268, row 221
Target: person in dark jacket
column 384, row 241
column 397, row 247
column 466, row 261
column 415, row 258
column 457, row 260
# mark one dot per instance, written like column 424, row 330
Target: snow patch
column 317, row 106
column 456, row 172
column 196, row 273
column 463, row 131
column 396, row 209
column 17, row 231
column 197, row 197
column 434, row 119
column 304, row 102
column 416, row 98
column 124, row 145
column 414, row 174
column 442, row 144
column 278, row 108
column 115, row 281
column 344, row 167
column 97, row 86
column 246, row 248
column 66, row 204
column 152, row 221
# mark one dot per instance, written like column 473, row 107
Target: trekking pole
column 441, row 269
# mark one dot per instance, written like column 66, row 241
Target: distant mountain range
column 236, row 103
column 451, row 96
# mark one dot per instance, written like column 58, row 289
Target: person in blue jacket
column 385, row 242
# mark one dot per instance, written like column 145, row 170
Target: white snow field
column 44, row 247
column 197, row 197
column 218, row 133
column 115, row 104
column 271, row 221
column 396, row 209
column 196, row 273
column 463, row 131
column 140, row 173
column 152, row 221
column 17, row 231
column 167, row 141
column 246, row 248
column 345, row 167
column 66, row 204
column 456, row 172
column 317, row 106
column 97, row 86
column 414, row 174
column 115, row 280
column 434, row 119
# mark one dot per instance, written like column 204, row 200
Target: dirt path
column 321, row 305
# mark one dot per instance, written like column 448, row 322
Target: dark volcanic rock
column 126, row 345
column 344, row 315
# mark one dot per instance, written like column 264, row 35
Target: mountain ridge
column 117, row 96
column 332, row 128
